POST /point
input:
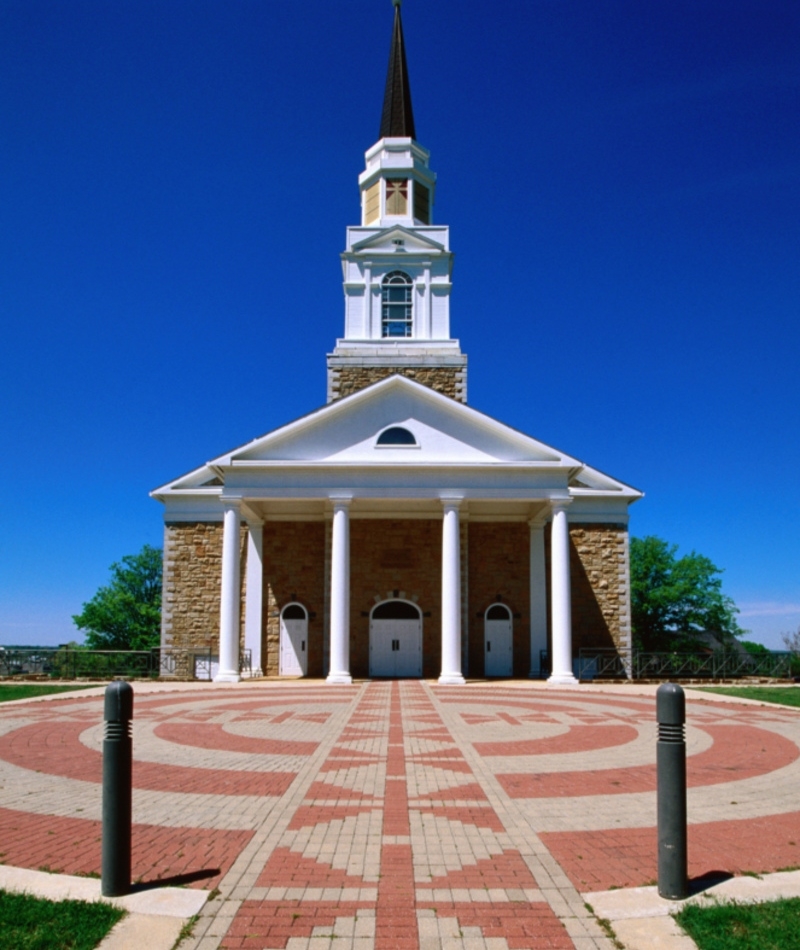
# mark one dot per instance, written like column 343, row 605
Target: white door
column 395, row 648
column 294, row 642
column 498, row 642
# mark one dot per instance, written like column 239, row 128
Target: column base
column 341, row 679
column 562, row 679
column 451, row 679
column 227, row 676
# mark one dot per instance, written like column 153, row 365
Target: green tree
column 674, row 600
column 126, row 615
column 792, row 642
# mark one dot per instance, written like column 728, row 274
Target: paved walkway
column 398, row 815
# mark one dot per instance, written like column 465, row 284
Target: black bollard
column 673, row 882
column 117, row 758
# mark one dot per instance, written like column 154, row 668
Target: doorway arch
column 395, row 639
column 293, row 660
column 498, row 641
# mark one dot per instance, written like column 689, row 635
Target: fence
column 722, row 664
column 75, row 663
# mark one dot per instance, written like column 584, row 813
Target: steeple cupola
column 397, row 265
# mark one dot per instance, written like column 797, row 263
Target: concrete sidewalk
column 402, row 814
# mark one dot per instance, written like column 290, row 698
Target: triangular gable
column 446, row 431
column 383, row 242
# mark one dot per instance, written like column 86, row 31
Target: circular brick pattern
column 398, row 814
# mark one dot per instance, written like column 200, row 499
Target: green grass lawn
column 31, row 923
column 26, row 690
column 785, row 695
column 771, row 926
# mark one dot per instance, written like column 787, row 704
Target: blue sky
column 622, row 182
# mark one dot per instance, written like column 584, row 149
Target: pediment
column 444, row 432
column 383, row 242
column 442, row 435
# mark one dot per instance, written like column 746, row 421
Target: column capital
column 340, row 501
column 538, row 522
column 451, row 501
column 559, row 504
column 231, row 504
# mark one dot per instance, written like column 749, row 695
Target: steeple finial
column 397, row 119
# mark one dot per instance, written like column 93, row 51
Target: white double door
column 395, row 648
column 294, row 647
column 498, row 654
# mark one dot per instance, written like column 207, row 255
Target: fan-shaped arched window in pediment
column 396, row 435
column 396, row 315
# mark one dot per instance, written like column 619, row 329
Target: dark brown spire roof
column 397, row 120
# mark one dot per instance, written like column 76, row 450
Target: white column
column 254, row 595
column 229, row 601
column 451, row 594
column 367, row 316
column 560, row 596
column 427, row 310
column 538, row 595
column 340, row 593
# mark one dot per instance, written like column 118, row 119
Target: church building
column 396, row 531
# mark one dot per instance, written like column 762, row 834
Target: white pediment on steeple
column 398, row 240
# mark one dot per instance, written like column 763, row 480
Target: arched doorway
column 294, row 641
column 395, row 639
column 498, row 651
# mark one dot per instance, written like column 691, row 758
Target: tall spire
column 397, row 119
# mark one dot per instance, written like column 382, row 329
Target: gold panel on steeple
column 372, row 203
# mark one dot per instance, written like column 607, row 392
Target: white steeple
column 397, row 265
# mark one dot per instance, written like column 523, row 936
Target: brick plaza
column 398, row 814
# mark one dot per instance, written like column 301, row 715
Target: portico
column 339, row 610
column 389, row 493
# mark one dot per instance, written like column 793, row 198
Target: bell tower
column 397, row 265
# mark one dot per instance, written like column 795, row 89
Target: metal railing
column 721, row 664
column 79, row 663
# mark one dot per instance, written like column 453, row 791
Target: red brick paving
column 216, row 736
column 738, row 752
column 271, row 924
column 481, row 817
column 600, row 860
column 523, row 926
column 72, row 846
column 576, row 739
column 506, row 870
column 55, row 748
column 287, row 868
column 309, row 815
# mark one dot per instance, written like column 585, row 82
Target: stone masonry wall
column 192, row 584
column 294, row 570
column 396, row 558
column 600, row 586
column 445, row 380
column 499, row 564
